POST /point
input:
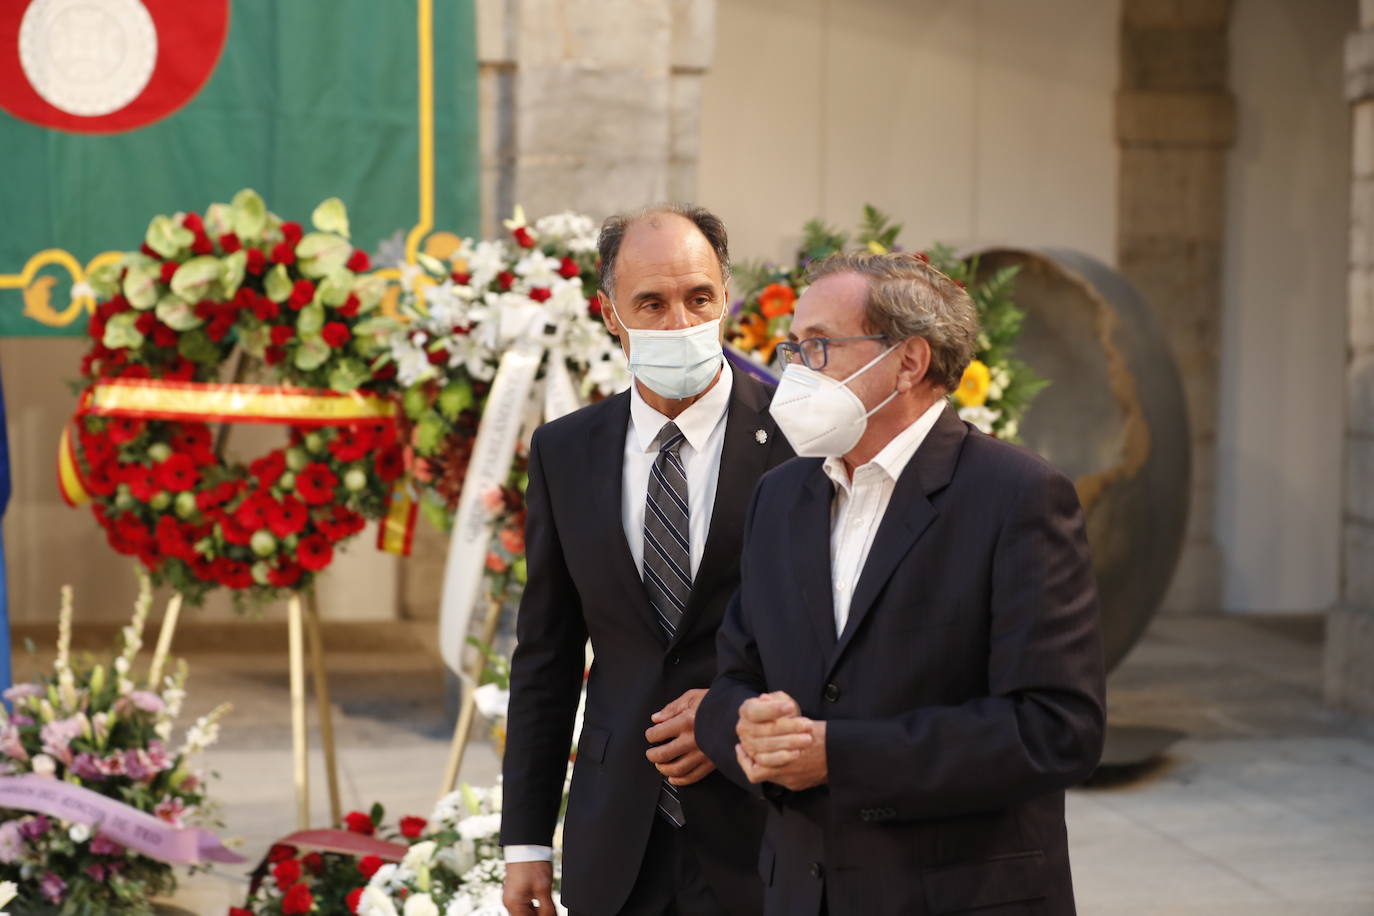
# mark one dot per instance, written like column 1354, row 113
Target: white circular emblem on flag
column 87, row 57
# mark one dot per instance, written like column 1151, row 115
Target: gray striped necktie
column 668, row 560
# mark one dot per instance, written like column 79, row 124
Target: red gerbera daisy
column 315, row 484
column 177, row 474
column 287, row 517
column 314, row 553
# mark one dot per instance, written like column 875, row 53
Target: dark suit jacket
column 964, row 695
column 583, row 583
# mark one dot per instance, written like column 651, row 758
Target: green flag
column 117, row 110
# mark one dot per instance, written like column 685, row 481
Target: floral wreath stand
column 256, row 404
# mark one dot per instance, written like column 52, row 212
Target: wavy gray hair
column 908, row 298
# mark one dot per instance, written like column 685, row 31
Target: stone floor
column 1266, row 807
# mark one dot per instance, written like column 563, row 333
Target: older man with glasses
column 911, row 672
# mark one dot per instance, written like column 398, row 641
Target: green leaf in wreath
column 321, row 253
column 336, row 287
column 140, row 286
column 278, row 284
column 255, row 340
column 219, row 219
column 348, row 375
column 250, row 215
column 311, row 319
column 429, row 433
column 437, row 515
column 104, row 280
column 120, row 332
column 177, row 313
column 168, row 237
column 196, row 346
column 193, row 280
column 231, row 270
column 378, row 326
column 369, row 289
column 311, row 354
column 331, row 216
column 432, row 264
column 518, row 570
column 415, row 402
column 455, row 398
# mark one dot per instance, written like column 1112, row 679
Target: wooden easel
column 302, row 624
column 467, row 708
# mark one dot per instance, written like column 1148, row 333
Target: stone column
column 1175, row 123
column 1350, row 627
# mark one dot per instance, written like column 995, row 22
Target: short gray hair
column 908, row 298
column 614, row 228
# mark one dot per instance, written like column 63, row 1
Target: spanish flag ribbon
column 200, row 402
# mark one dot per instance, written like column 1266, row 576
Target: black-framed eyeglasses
column 813, row 352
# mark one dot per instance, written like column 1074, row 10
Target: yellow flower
column 973, row 388
column 876, row 247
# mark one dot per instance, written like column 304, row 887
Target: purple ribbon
column 138, row 830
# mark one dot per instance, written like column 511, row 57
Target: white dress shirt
column 703, row 426
column 859, row 505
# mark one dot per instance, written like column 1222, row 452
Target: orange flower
column 751, row 335
column 776, row 300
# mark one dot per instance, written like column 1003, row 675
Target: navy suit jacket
column 583, row 584
column 963, row 696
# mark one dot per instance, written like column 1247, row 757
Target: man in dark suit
column 636, row 509
column 911, row 672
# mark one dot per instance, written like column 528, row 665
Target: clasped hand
column 778, row 744
column 674, row 752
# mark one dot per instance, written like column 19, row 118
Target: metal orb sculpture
column 1113, row 418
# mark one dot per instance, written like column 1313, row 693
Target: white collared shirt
column 703, row 426
column 859, row 505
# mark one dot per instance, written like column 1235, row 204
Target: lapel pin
column 761, row 436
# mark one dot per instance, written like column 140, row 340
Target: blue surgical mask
column 675, row 364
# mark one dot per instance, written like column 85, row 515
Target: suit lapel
column 810, row 534
column 608, row 453
column 909, row 513
column 743, row 460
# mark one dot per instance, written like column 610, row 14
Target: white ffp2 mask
column 819, row 415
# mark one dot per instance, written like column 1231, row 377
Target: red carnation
column 193, row 222
column 265, row 309
column 523, row 237
column 314, row 863
column 287, row 517
column 135, row 371
column 462, row 279
column 230, row 243
column 350, row 306
column 368, row 865
column 96, row 327
column 280, row 852
column 239, row 911
column 281, row 334
column 540, row 294
column 359, row 262
column 336, row 334
column 292, row 232
column 390, row 464
column 314, row 554
column 568, row 269
column 269, row 468
column 413, row 827
column 147, row 249
column 164, row 336
column 315, row 485
column 286, row 873
column 505, row 279
column 361, row 822
column 438, row 357
column 298, row 901
column 202, row 244
column 273, row 355
column 145, row 323
column 594, row 305
column 283, row 253
column 219, row 329
column 257, row 261
column 177, row 474
column 284, row 576
column 167, row 269
column 354, row 898
column 301, row 294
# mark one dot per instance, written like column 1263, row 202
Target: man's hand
column 675, row 753
column 779, row 745
column 527, row 883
